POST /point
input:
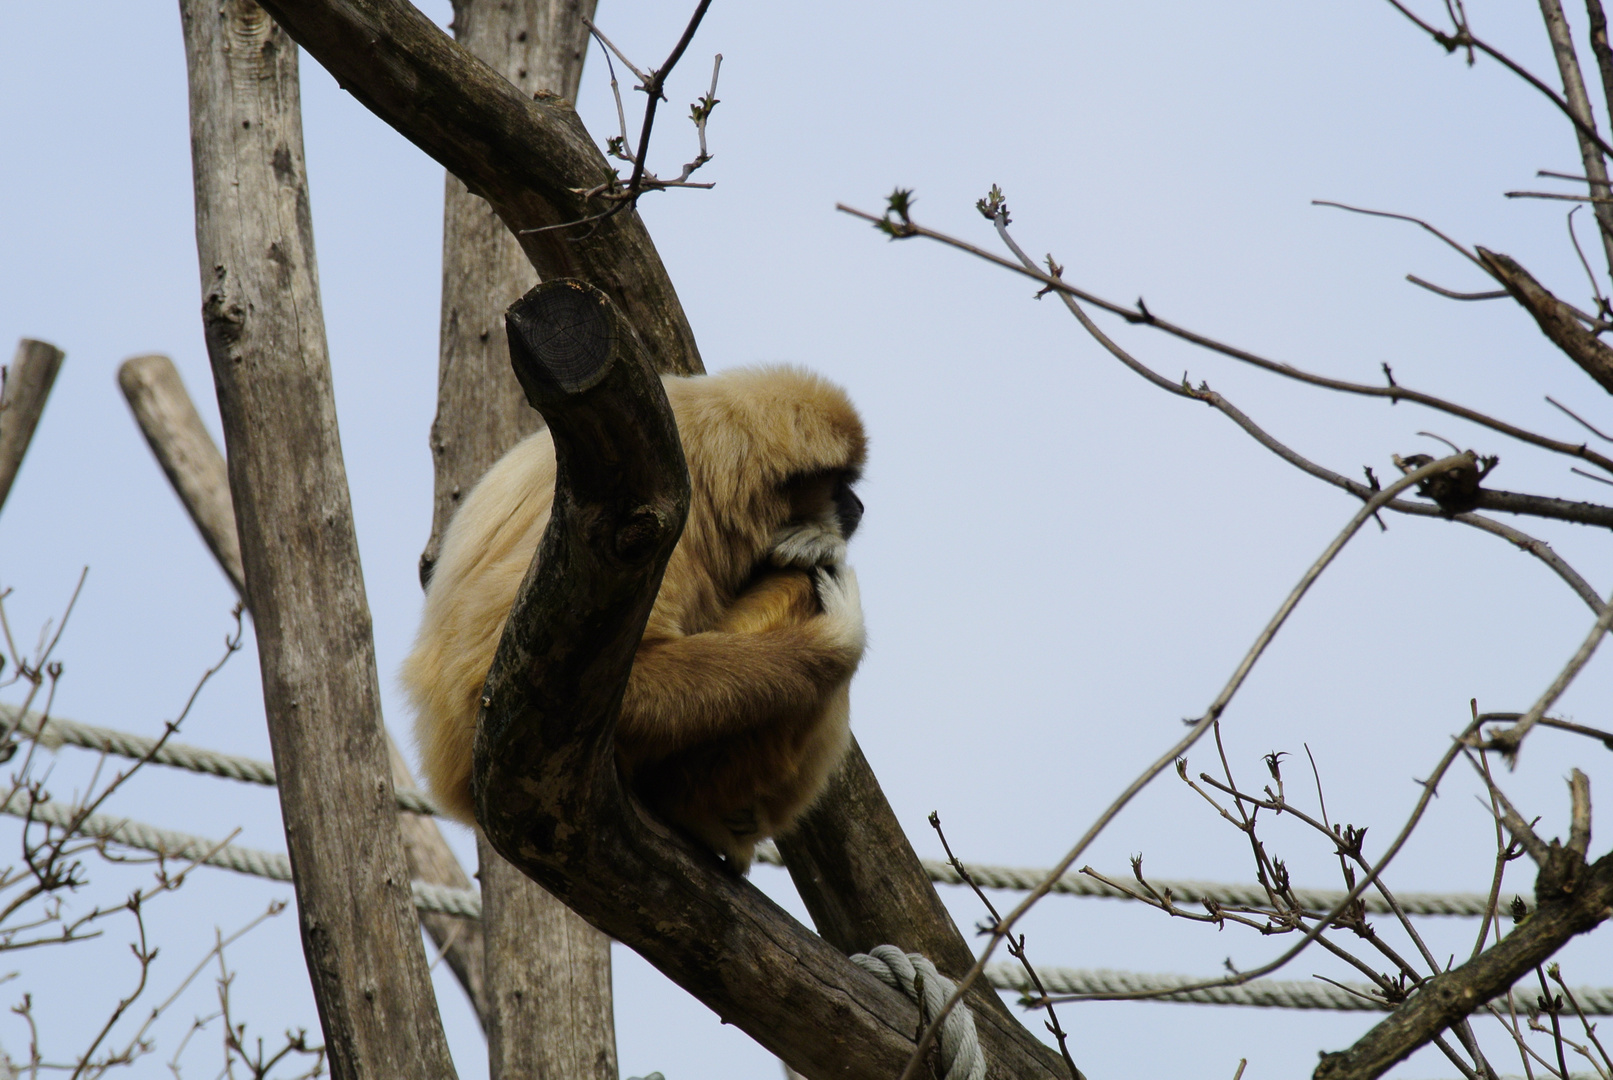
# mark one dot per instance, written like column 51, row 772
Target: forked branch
column 545, row 782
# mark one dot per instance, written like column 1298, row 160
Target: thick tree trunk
column 548, row 971
column 266, row 339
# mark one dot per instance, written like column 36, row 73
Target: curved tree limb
column 1140, row 315
column 545, row 781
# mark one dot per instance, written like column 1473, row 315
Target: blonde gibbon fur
column 736, row 712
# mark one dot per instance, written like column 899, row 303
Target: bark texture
column 548, row 982
column 538, row 45
column 532, row 160
column 864, row 886
column 548, row 972
column 28, row 382
column 189, row 458
column 266, row 340
column 1555, row 318
column 545, row 782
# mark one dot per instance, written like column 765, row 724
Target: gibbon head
column 773, row 453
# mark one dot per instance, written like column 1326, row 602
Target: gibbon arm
column 787, row 643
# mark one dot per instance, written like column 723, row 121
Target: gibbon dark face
column 848, row 507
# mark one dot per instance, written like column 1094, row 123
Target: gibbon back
column 736, row 713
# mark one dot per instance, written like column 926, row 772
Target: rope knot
column 916, row 977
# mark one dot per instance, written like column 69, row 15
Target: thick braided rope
column 915, row 976
column 1230, row 895
column 243, row 860
column 1259, row 993
column 467, row 903
column 58, row 732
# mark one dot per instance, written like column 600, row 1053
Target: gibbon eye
column 848, row 508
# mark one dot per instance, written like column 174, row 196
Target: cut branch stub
column 1557, row 320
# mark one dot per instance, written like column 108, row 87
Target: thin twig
column 1602, row 307
column 1016, row 949
column 1586, row 424
column 1493, row 294
column 1559, row 195
column 1394, row 393
column 1464, row 38
column 1510, row 740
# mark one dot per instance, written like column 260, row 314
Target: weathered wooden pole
column 266, row 340
column 28, row 381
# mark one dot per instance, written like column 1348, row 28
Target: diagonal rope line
column 57, row 732
column 1258, row 993
column 467, row 903
column 243, row 860
column 1228, row 895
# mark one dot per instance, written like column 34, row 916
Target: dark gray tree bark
column 545, row 784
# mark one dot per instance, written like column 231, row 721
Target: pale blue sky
column 1058, row 562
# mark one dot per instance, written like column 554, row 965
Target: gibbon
column 736, row 713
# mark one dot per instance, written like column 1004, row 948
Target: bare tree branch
column 1463, row 38
column 188, row 456
column 1557, row 321
column 1211, row 716
column 1393, row 392
column 530, row 158
column 1449, row 997
column 1562, row 47
column 1510, row 740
